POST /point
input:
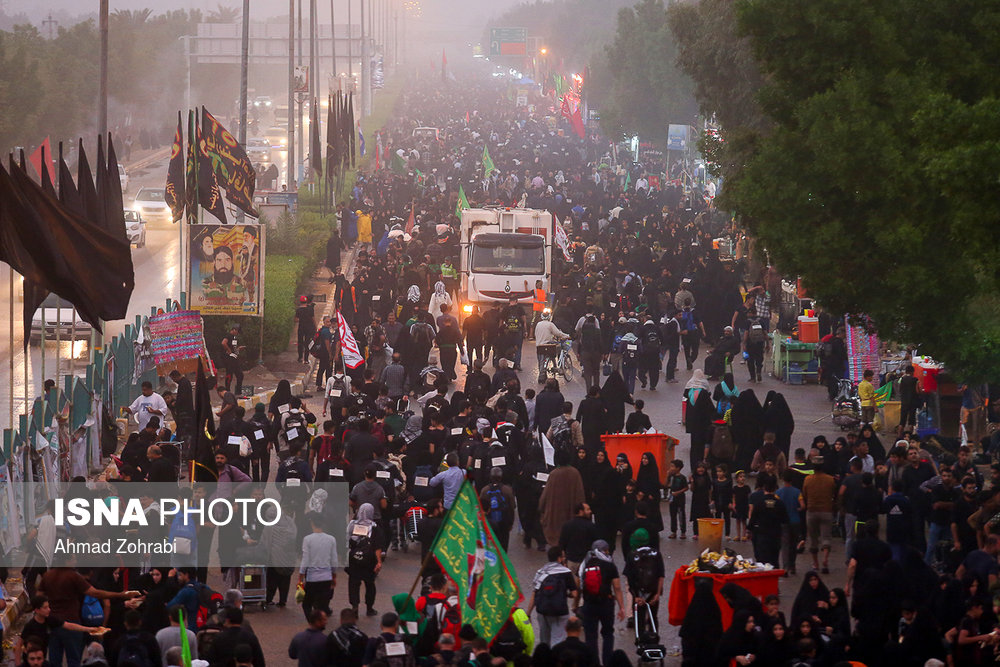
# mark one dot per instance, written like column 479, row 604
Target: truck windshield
column 508, row 259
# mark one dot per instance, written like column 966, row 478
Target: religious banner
column 471, row 557
column 177, row 340
column 225, row 269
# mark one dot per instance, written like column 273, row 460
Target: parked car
column 123, row 177
column 57, row 315
column 151, row 204
column 135, row 228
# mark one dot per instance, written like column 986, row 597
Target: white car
column 135, row 228
column 57, row 314
column 150, row 203
column 277, row 136
column 262, row 101
column 123, row 178
column 258, row 149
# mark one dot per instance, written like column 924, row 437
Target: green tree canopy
column 875, row 173
column 636, row 85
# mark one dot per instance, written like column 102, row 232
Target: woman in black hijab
column 875, row 447
column 592, row 416
column 747, row 427
column 741, row 641
column 739, row 598
column 615, row 395
column 778, row 418
column 701, row 628
column 282, row 396
column 812, row 600
column 647, row 481
column 605, row 488
column 582, row 464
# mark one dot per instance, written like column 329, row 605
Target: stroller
column 647, row 639
column 847, row 406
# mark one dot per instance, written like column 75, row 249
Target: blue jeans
column 600, row 612
column 629, row 370
column 68, row 642
column 936, row 532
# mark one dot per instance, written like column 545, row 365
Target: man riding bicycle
column 547, row 340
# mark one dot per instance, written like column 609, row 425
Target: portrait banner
column 225, row 269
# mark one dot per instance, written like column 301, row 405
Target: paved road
column 807, row 402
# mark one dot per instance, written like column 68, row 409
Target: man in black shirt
column 42, row 623
column 767, row 515
column 909, row 398
column 572, row 651
column 306, row 318
column 600, row 589
column 962, row 533
column 576, row 534
column 512, row 322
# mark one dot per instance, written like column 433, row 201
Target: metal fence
column 61, row 436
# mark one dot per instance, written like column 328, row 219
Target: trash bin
column 710, row 534
column 634, row 444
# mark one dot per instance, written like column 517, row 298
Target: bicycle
column 561, row 363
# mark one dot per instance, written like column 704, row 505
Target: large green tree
column 636, row 84
column 874, row 173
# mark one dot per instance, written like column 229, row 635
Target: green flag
column 488, row 166
column 185, row 647
column 470, row 555
column 628, row 181
column 398, row 164
column 463, row 202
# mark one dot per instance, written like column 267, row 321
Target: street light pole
column 244, row 66
column 102, row 94
column 290, row 178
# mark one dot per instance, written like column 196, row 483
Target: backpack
column 550, row 598
column 323, row 444
column 337, row 402
column 424, row 491
column 562, row 435
column 92, row 612
column 825, row 350
column 402, row 653
column 722, row 447
column 630, row 351
column 423, row 335
column 316, row 344
column 644, row 568
column 361, row 552
column 652, row 338
column 346, row 646
column 496, row 505
column 442, row 616
column 508, row 643
column 134, row 652
column 593, row 579
column 757, row 334
column 590, row 337
column 688, row 322
column 209, row 604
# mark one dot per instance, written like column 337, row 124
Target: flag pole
column 10, row 337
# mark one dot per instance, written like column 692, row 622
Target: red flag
column 36, row 160
column 466, row 117
column 444, row 65
column 410, row 221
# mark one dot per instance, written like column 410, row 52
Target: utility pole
column 244, row 66
column 102, row 94
column 366, row 79
column 50, row 23
column 313, row 86
column 350, row 47
column 333, row 42
column 301, row 99
column 290, row 178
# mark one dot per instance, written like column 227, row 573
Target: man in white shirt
column 547, row 339
column 147, row 404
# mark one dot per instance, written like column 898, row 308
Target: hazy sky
column 464, row 12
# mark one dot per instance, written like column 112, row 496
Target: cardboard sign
column 498, row 461
column 234, row 440
column 383, row 474
column 259, row 434
column 293, row 482
column 282, row 409
column 335, row 393
column 337, row 472
column 398, row 648
column 542, row 476
column 457, row 430
column 292, row 433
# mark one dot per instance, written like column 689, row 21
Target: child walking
column 722, row 495
column 741, row 505
column 701, row 495
column 677, row 485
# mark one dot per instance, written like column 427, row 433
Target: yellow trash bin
column 890, row 415
column 710, row 534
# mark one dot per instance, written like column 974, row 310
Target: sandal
column 672, row 536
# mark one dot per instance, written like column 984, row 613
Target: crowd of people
column 642, row 285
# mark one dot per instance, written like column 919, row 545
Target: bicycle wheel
column 567, row 368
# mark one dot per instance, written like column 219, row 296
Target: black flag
column 191, row 174
column 232, row 167
column 209, row 194
column 203, row 457
column 34, row 294
column 173, row 193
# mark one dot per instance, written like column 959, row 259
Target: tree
column 874, row 176
column 638, row 88
column 224, row 14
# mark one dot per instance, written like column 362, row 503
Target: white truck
column 503, row 252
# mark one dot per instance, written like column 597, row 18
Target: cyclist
column 547, row 340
